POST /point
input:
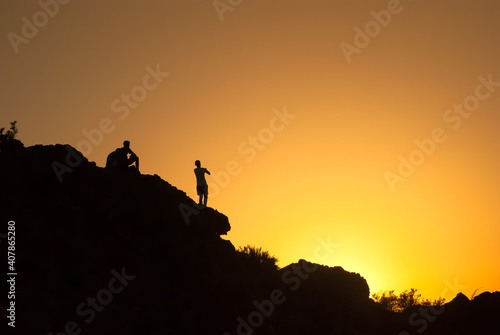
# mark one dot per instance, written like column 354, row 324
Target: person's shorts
column 203, row 189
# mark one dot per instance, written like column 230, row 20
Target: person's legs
column 199, row 190
column 206, row 195
column 133, row 159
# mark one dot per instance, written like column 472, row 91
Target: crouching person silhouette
column 201, row 183
column 120, row 159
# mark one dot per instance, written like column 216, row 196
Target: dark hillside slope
column 116, row 252
column 72, row 234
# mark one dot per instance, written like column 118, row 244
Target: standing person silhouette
column 201, row 183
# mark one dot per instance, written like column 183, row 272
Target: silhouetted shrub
column 10, row 134
column 8, row 141
column 405, row 300
column 257, row 258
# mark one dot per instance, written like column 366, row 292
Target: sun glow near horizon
column 286, row 183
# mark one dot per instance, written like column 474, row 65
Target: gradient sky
column 356, row 106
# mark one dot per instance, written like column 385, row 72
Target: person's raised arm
column 208, row 172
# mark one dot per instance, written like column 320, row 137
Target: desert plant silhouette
column 257, row 258
column 8, row 141
column 10, row 134
column 406, row 299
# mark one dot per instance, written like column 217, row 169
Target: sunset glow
column 369, row 129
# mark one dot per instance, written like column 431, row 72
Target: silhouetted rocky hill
column 102, row 251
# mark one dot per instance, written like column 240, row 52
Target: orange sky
column 313, row 104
